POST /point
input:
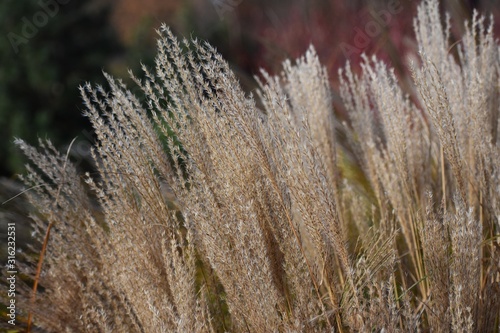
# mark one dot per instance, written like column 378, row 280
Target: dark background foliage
column 39, row 83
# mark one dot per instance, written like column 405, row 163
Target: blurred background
column 50, row 47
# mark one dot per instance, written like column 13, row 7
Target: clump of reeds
column 211, row 212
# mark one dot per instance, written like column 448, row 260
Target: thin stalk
column 443, row 179
column 46, row 241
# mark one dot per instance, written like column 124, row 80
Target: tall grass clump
column 213, row 210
